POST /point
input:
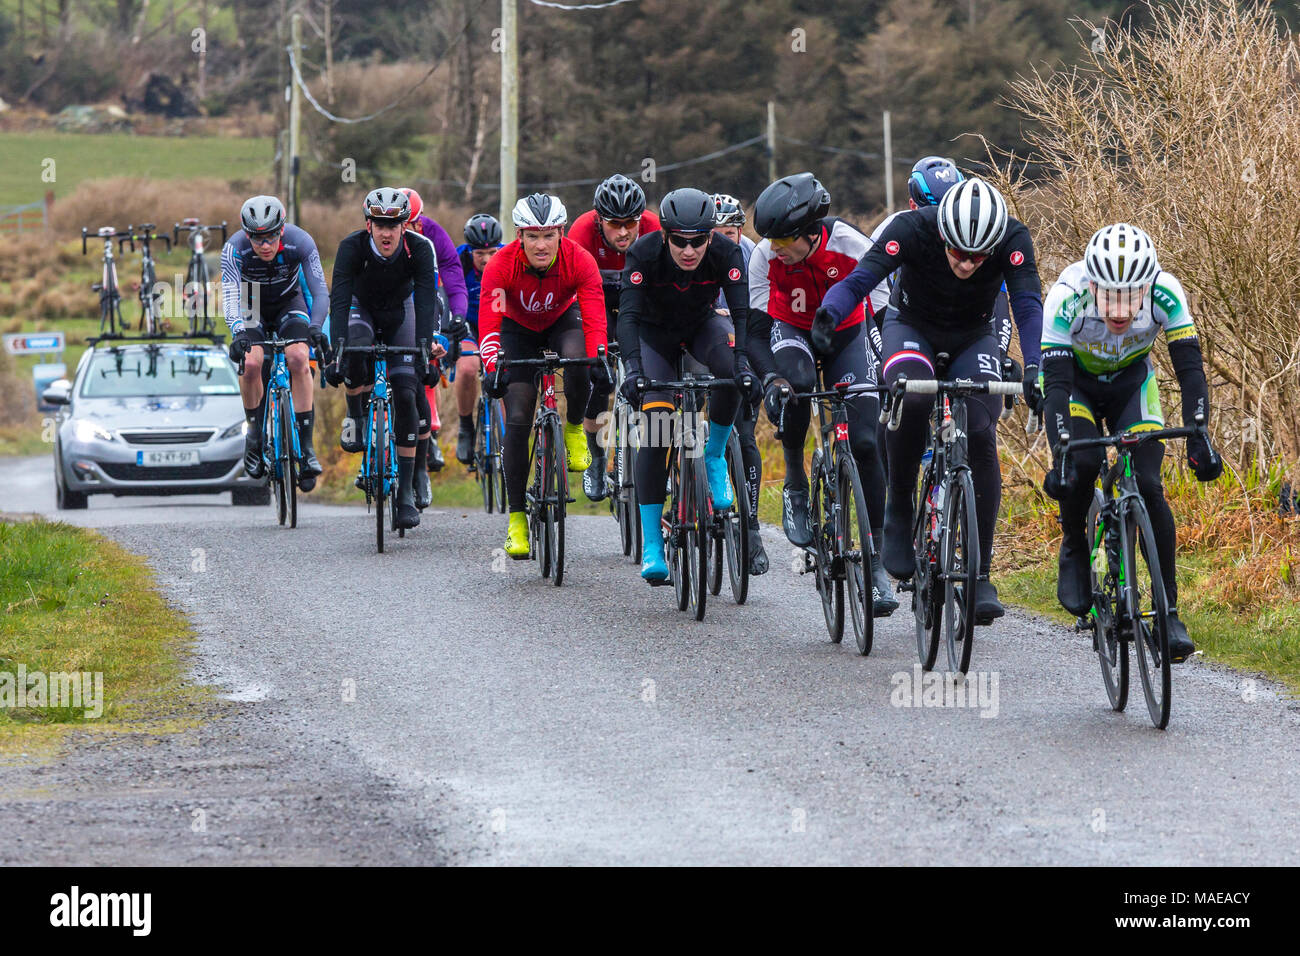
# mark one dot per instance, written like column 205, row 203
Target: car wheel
column 260, row 495
column 64, row 499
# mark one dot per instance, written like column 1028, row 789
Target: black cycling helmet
column 482, row 231
column 688, row 210
column 619, row 198
column 791, row 206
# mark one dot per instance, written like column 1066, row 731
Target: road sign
column 44, row 376
column 24, row 343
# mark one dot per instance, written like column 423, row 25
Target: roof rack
column 118, row 338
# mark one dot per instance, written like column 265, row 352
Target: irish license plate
column 166, row 458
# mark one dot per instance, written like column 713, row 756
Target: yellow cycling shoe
column 575, row 443
column 517, row 536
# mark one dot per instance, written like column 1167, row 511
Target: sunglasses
column 385, row 212
column 962, row 256
column 681, row 242
column 265, row 239
column 783, row 243
column 621, row 223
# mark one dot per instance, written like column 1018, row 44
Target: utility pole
column 295, row 120
column 771, row 141
column 889, row 167
column 509, row 114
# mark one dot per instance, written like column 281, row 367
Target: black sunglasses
column 681, row 242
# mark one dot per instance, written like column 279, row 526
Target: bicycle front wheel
column 288, row 460
column 854, row 533
column 926, row 589
column 1111, row 648
column 379, row 466
column 557, row 500
column 830, row 586
column 275, row 435
column 1147, row 610
column 481, row 465
column 702, row 541
column 736, row 528
column 959, row 570
column 677, row 541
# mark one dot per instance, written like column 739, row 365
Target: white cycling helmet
column 539, row 211
column 1120, row 257
column 972, row 216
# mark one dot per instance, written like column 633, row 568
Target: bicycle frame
column 110, row 296
column 279, row 380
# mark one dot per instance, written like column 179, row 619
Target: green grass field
column 78, row 157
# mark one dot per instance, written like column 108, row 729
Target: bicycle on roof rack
column 110, row 296
column 198, row 280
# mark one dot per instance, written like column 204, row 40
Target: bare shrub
column 125, row 200
column 1188, row 128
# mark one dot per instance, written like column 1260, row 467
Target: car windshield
column 159, row 370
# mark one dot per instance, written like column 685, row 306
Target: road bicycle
column 694, row 530
column 152, row 322
column 1129, row 603
column 489, row 440
column 110, row 296
column 842, row 544
column 945, row 528
column 378, row 474
column 546, row 499
column 198, row 282
column 621, row 479
column 281, row 446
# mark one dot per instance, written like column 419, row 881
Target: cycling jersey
column 657, row 293
column 793, row 293
column 535, row 300
column 450, row 273
column 382, row 286
column 586, row 232
column 931, row 297
column 251, row 287
column 1071, row 323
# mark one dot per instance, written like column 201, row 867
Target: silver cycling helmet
column 387, row 202
column 539, row 211
column 261, row 214
column 1120, row 256
column 973, row 217
column 730, row 211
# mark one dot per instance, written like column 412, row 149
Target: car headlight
column 239, row 428
column 89, row 431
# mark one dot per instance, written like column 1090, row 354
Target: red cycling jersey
column 511, row 288
column 585, row 231
column 793, row 293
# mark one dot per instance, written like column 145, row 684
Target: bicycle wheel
column 1147, row 610
column 736, row 527
column 275, row 435
column 677, row 539
column 481, row 466
column 495, row 455
column 542, row 478
column 288, row 462
column 1112, row 650
column 378, row 466
column 854, row 533
column 925, row 582
column 701, row 541
column 959, row 569
column 622, row 476
column 830, row 587
column 557, row 504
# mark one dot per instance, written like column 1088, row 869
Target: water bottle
column 925, row 458
column 936, row 509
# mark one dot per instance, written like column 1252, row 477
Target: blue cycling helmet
column 931, row 177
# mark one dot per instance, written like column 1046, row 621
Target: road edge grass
column 74, row 601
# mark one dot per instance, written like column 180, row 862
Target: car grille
column 167, row 438
column 122, row 471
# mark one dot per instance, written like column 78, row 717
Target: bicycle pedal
column 905, row 587
column 658, row 584
column 1082, row 624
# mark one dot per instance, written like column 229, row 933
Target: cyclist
column 541, row 291
column 454, row 298
column 671, row 280
column 607, row 231
column 802, row 255
column 385, row 284
column 945, row 301
column 730, row 220
column 271, row 275
column 1102, row 319
column 482, row 240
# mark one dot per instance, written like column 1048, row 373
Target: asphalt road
column 488, row 717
